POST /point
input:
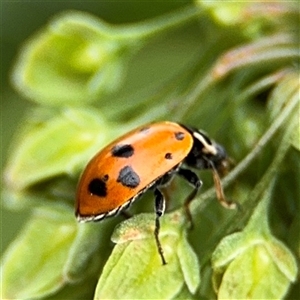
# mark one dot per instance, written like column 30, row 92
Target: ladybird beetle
column 146, row 158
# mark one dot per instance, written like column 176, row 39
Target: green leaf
column 229, row 248
column 189, row 264
column 186, row 295
column 283, row 258
column 84, row 252
column 136, row 250
column 138, row 227
column 57, row 146
column 141, row 226
column 253, row 275
column 32, row 266
column 134, row 271
column 253, row 264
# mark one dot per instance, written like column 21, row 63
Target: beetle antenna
column 219, row 189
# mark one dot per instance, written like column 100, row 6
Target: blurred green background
column 159, row 68
column 19, row 20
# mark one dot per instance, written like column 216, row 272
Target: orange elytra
column 146, row 157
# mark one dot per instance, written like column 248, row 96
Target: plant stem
column 146, row 29
column 282, row 118
column 196, row 206
column 267, row 50
column 261, row 85
column 234, row 223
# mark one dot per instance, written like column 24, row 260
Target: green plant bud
column 253, row 18
column 253, row 264
column 33, row 265
column 72, row 61
column 253, row 269
column 134, row 269
column 226, row 12
column 57, row 146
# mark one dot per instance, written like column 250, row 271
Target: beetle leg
column 193, row 179
column 159, row 210
column 219, row 190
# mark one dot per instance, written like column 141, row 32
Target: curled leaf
column 73, row 60
column 55, row 146
column 32, row 265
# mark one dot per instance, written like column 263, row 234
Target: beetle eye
column 220, row 160
column 221, row 152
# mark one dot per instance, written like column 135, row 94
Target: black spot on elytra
column 105, row 177
column 128, row 177
column 168, row 156
column 98, row 187
column 179, row 135
column 122, row 150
